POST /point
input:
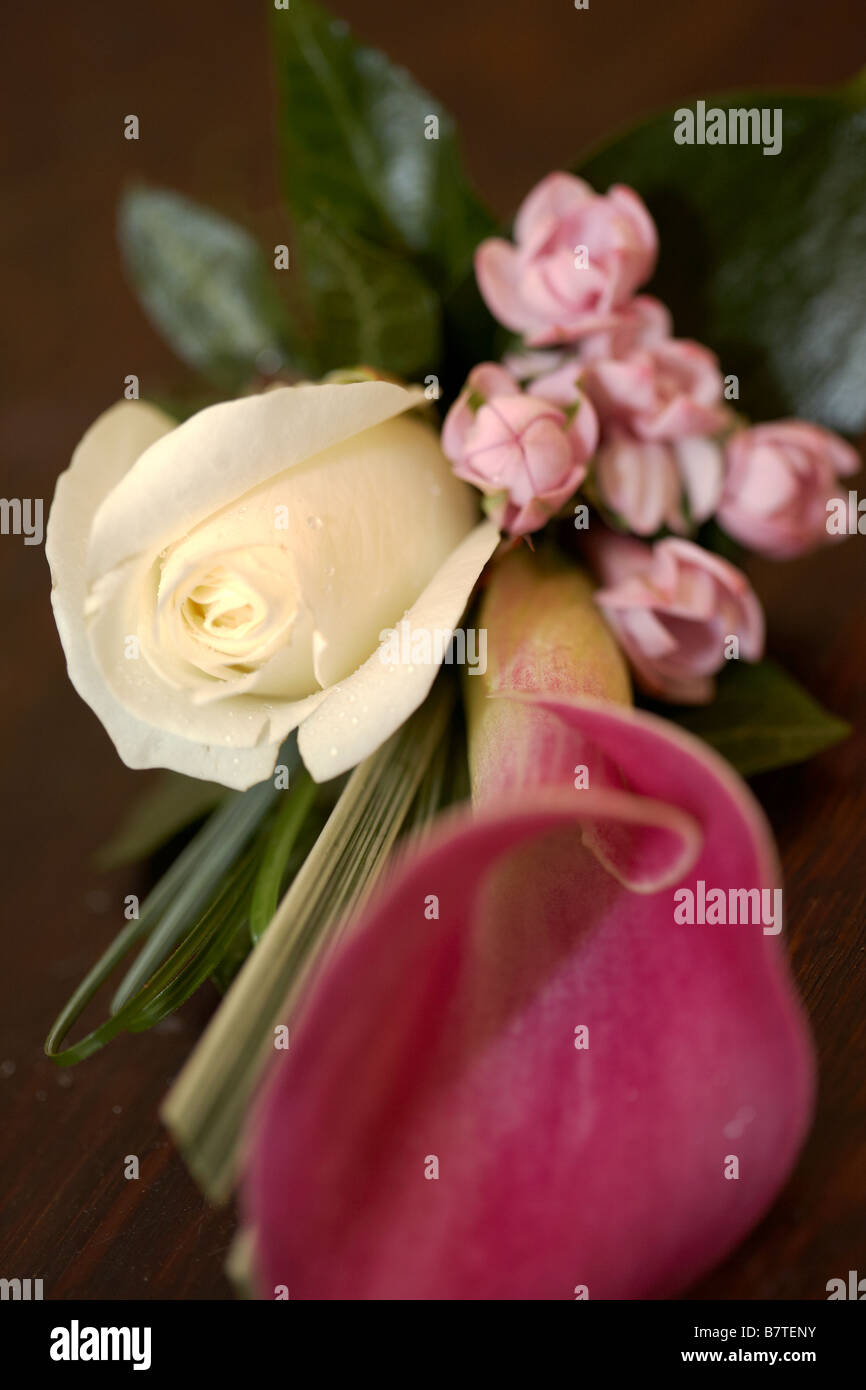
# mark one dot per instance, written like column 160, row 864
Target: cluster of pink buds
column 601, row 397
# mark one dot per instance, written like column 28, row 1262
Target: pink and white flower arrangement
column 514, row 1072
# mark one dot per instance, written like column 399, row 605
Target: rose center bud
column 216, row 608
column 225, row 610
column 237, row 616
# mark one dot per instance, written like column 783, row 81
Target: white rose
column 219, row 583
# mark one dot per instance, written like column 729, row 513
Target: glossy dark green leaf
column 206, row 285
column 369, row 306
column 763, row 256
column 761, row 718
column 357, row 148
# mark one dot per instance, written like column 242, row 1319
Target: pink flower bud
column 657, row 398
column 578, row 257
column 641, row 323
column 778, row 480
column 643, row 482
column 674, row 607
column 669, row 390
column 527, row 454
column 641, row 381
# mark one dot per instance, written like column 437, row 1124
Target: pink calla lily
column 536, row 1091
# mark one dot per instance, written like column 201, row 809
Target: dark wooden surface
column 530, row 83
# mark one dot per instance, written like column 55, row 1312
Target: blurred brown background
column 531, row 84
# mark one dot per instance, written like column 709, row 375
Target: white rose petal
column 360, row 713
column 107, row 451
column 253, row 554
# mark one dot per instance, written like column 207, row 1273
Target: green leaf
column 761, row 718
column 196, row 875
column 370, row 306
column 195, row 958
column 171, row 803
column 269, row 875
column 762, row 256
column 471, row 336
column 205, row 284
column 354, row 134
column 190, row 924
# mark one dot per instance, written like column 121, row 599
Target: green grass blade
column 192, row 888
column 206, row 1107
column 175, row 979
column 230, row 828
column 290, row 818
